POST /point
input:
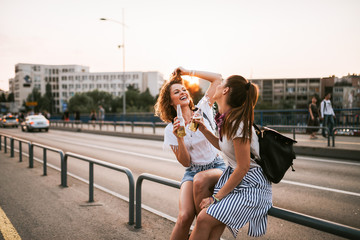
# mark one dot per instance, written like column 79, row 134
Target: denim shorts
column 191, row 171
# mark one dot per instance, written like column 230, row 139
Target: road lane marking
column 321, row 188
column 328, row 161
column 284, row 181
column 7, row 229
column 121, row 151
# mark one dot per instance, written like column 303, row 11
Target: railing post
column 20, row 151
column 12, row 147
column 131, row 197
column 44, row 162
column 31, row 155
column 91, row 182
column 0, row 142
column 132, row 127
column 154, row 127
column 64, row 171
column 5, row 147
column 138, row 202
column 294, row 133
column 327, row 129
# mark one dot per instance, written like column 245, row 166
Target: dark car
column 9, row 121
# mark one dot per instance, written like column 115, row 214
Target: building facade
column 299, row 91
column 296, row 91
column 66, row 80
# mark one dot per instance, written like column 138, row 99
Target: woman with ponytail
column 242, row 194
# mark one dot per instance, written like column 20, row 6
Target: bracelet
column 215, row 198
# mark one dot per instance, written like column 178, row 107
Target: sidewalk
column 25, row 196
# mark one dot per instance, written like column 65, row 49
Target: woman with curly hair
column 192, row 151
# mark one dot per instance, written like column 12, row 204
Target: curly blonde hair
column 163, row 107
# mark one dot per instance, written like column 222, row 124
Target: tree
column 81, row 102
column 11, row 97
column 2, row 97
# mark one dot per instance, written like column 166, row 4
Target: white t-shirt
column 326, row 108
column 201, row 151
column 228, row 151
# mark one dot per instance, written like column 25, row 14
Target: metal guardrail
column 338, row 128
column 302, row 219
column 45, row 149
column 153, row 178
column 305, row 220
column 93, row 161
column 293, row 127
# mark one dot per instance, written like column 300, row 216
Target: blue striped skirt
column 248, row 202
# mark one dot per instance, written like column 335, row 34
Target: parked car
column 33, row 122
column 9, row 121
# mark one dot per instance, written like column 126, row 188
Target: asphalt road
column 323, row 188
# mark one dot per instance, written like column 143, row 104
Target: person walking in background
column 313, row 118
column 101, row 114
column 243, row 194
column 192, row 151
column 327, row 114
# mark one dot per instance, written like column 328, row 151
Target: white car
column 35, row 122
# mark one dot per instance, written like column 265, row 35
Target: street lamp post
column 123, row 50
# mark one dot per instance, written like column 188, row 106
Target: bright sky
column 256, row 39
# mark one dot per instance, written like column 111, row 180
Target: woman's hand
column 206, row 202
column 176, row 126
column 201, row 124
column 180, row 70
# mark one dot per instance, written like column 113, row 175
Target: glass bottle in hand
column 193, row 126
column 181, row 130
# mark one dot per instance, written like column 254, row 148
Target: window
column 302, row 81
column 64, row 94
column 71, row 94
column 71, row 77
column 64, row 78
column 98, row 85
column 290, row 90
column 64, row 86
column 71, row 86
column 91, row 86
column 77, row 77
column 91, row 77
column 84, row 77
column 78, row 86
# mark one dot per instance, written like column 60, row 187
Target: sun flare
column 191, row 80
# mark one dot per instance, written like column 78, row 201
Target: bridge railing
column 302, row 219
column 305, row 220
column 92, row 162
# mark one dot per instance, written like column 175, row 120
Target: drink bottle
column 193, row 126
column 181, row 130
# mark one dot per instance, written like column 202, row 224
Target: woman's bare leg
column 206, row 226
column 186, row 212
column 203, row 185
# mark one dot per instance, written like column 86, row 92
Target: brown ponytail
column 242, row 98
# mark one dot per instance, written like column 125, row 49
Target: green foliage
column 2, row 97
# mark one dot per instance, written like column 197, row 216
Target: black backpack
column 276, row 153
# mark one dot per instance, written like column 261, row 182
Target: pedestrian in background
column 327, row 114
column 313, row 118
column 101, row 114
